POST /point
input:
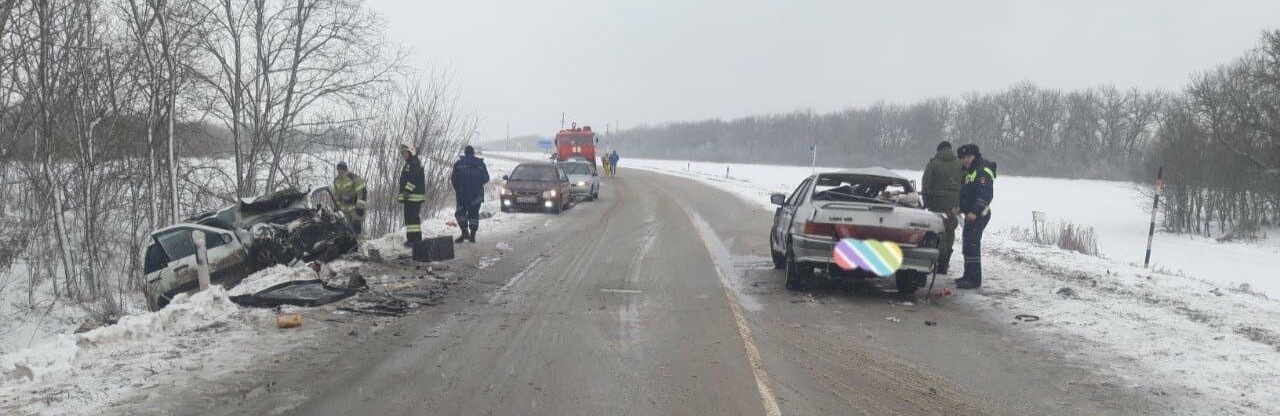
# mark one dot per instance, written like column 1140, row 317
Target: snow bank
column 272, row 276
column 31, row 364
column 58, row 355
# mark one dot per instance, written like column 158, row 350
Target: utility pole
column 561, row 120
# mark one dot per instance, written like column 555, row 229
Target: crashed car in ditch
column 865, row 204
column 278, row 228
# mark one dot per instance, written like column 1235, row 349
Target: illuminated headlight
column 582, row 183
column 506, row 202
column 550, row 194
column 506, row 191
column 547, row 204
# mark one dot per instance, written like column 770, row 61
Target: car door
column 228, row 260
column 785, row 214
column 564, row 184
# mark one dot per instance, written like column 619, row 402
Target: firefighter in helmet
column 413, row 193
column 349, row 189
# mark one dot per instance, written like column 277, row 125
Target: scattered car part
column 308, row 293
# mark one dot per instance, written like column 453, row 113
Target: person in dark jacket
column 613, row 163
column 975, row 204
column 413, row 193
column 941, row 190
column 468, row 179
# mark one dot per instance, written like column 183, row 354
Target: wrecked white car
column 279, row 228
column 868, row 203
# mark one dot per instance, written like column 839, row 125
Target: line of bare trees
column 121, row 116
column 1220, row 143
column 1096, row 132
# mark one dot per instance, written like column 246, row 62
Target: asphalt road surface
column 659, row 299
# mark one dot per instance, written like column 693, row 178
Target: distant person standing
column 468, row 179
column 613, row 163
column 604, row 165
column 413, row 193
column 349, row 190
column 975, row 205
column 941, row 190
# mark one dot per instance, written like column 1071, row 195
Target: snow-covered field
column 47, row 370
column 1186, row 329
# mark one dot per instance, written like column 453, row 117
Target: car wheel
column 797, row 272
column 779, row 259
column 558, row 209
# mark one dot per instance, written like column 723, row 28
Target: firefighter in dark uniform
column 349, row 190
column 975, row 206
column 413, row 188
column 468, row 179
column 942, row 179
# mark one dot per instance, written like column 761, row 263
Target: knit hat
column 469, row 151
column 342, row 165
column 968, row 150
column 944, row 145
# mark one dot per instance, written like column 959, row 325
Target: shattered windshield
column 859, row 188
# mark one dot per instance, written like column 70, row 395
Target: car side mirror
column 778, row 199
column 506, row 178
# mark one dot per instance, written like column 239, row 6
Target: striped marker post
column 879, row 257
column 1151, row 232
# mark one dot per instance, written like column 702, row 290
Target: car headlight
column 550, row 194
column 582, row 183
column 506, row 191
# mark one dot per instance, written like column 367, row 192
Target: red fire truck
column 576, row 143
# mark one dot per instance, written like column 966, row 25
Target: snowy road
column 659, row 299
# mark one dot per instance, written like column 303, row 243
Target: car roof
column 547, row 164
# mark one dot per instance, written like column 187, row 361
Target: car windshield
column 860, row 188
column 577, row 169
column 539, row 173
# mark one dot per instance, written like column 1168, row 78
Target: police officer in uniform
column 975, row 206
column 413, row 193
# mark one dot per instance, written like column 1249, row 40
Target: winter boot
column 462, row 237
column 972, row 278
column 472, row 236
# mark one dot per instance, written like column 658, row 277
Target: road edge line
column 767, row 397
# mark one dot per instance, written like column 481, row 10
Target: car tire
column 779, row 258
column 558, row 209
column 797, row 273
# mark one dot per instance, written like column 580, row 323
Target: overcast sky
column 654, row 61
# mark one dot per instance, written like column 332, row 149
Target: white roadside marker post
column 1037, row 218
column 1155, row 204
column 813, row 169
column 202, row 259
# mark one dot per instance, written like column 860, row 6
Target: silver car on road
column 584, row 182
column 868, row 203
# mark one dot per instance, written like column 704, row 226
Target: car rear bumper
column 820, row 250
